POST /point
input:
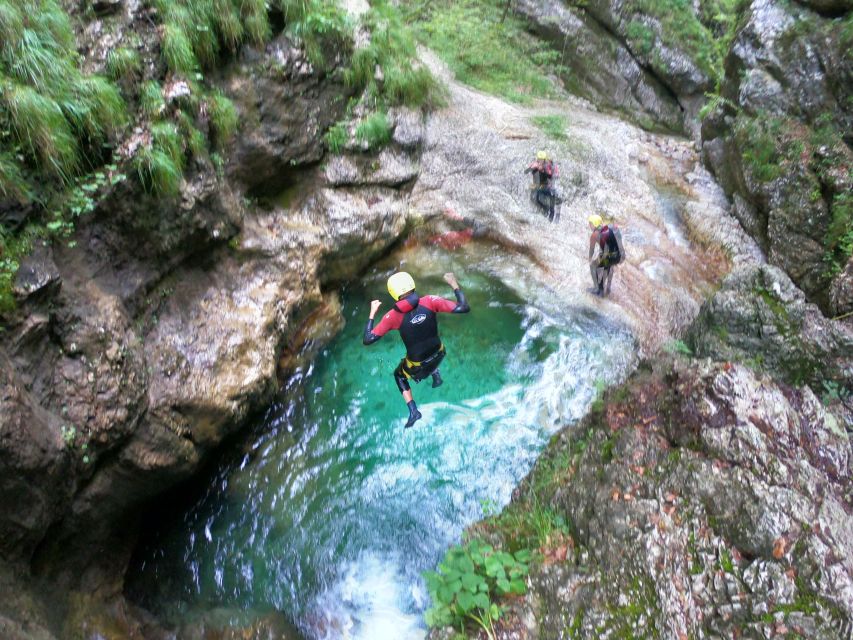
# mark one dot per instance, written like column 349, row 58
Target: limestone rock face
column 679, row 70
column 704, row 501
column 602, row 68
column 777, row 141
column 285, row 105
column 760, row 315
column 136, row 352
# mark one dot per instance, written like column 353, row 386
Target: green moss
column 13, row 248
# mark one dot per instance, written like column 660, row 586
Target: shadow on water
column 333, row 511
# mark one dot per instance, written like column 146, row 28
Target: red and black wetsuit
column 415, row 318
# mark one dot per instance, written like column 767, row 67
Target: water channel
column 333, row 510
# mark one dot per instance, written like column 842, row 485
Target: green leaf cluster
column 469, row 581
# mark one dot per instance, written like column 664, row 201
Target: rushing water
column 335, row 510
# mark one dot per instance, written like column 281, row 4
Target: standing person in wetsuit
column 545, row 170
column 608, row 239
column 415, row 318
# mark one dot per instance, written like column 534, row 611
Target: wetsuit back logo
column 418, row 318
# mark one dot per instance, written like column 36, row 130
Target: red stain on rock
column 452, row 239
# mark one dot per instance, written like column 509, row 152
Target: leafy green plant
column 715, row 100
column 468, row 582
column 834, row 392
column 69, row 433
column 678, row 347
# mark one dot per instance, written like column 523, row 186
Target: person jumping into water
column 415, row 317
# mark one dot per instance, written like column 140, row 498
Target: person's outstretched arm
column 461, row 302
column 369, row 336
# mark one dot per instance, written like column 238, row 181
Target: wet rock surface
column 732, row 488
column 653, row 186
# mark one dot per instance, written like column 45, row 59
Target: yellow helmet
column 595, row 220
column 541, row 155
column 400, row 284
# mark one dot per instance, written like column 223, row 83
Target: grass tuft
column 151, row 99
column 554, row 126
column 13, row 185
column 41, row 128
column 157, row 172
column 167, row 139
column 223, row 118
column 177, row 50
column 374, row 131
column 123, row 64
column 11, row 23
column 393, row 50
column 337, row 137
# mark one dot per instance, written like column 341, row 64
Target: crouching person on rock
column 608, row 239
column 415, row 317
